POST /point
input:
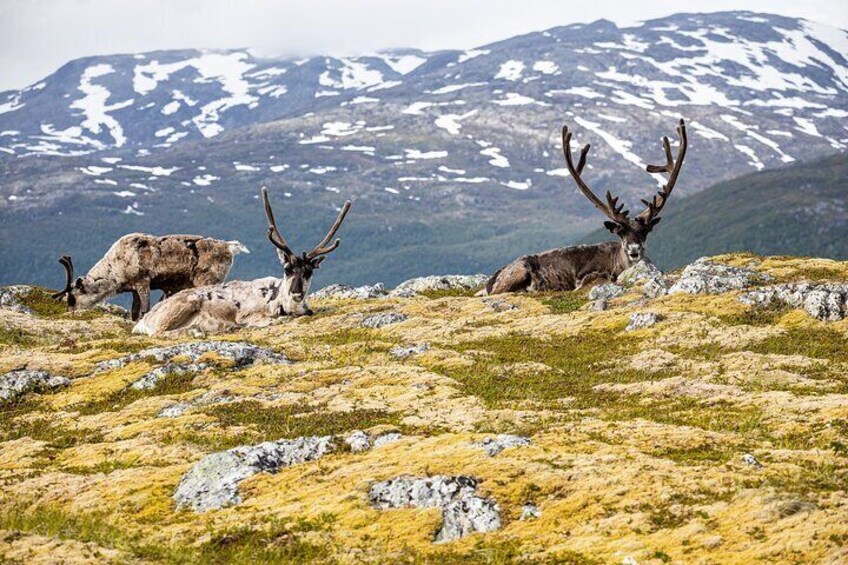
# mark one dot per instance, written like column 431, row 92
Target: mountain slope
column 452, row 158
column 800, row 209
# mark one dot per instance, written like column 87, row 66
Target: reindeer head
column 632, row 231
column 298, row 269
column 81, row 294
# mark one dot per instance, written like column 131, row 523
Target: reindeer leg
column 136, row 306
column 143, row 292
column 591, row 279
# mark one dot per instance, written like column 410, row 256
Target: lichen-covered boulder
column 240, row 353
column 708, row 277
column 346, row 292
column 431, row 283
column 463, row 512
column 10, row 298
column 382, row 319
column 495, row 445
column 826, row 302
column 16, row 384
column 646, row 273
column 213, row 481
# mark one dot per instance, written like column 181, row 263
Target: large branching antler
column 613, row 210
column 322, row 248
column 68, row 291
column 274, row 235
column 649, row 217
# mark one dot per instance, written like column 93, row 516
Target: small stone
column 499, row 305
column 708, row 277
column 403, row 352
column 386, row 439
column 605, row 291
column 712, row 542
column 641, row 320
column 174, row 411
column 16, row 384
column 530, row 512
column 212, row 483
column 495, row 445
column 749, row 459
column 383, row 319
column 358, row 441
column 598, row 305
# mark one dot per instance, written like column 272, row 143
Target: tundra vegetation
column 715, row 431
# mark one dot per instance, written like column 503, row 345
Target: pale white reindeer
column 139, row 263
column 259, row 302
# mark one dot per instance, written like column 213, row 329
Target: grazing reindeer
column 570, row 268
column 258, row 302
column 139, row 263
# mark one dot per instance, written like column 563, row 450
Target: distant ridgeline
column 452, row 158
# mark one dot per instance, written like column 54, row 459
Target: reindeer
column 258, row 302
column 571, row 268
column 139, row 263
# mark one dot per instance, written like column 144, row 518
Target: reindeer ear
column 78, row 284
column 614, row 227
column 655, row 221
column 317, row 262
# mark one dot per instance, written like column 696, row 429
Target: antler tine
column 322, row 248
column 66, row 262
column 616, row 214
column 672, row 167
column 274, row 235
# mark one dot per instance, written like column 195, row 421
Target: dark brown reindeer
column 571, row 268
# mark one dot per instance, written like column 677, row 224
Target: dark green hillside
column 801, row 209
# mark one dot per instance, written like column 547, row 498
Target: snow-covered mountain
column 460, row 136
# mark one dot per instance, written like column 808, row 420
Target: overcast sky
column 38, row 36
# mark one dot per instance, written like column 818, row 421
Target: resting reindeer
column 257, row 302
column 139, row 263
column 570, row 268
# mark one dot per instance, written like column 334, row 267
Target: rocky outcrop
column 346, row 292
column 708, row 277
column 359, row 441
column 16, row 384
column 641, row 320
column 495, row 445
column 213, row 481
column 382, row 319
column 447, row 282
column 827, row 302
column 463, row 512
column 10, row 298
column 240, row 353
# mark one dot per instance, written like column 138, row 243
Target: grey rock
column 10, row 298
column 445, row 282
column 346, row 292
column 209, row 398
column 605, row 291
column 749, row 459
column 645, row 272
column 358, row 441
column 707, row 277
column 386, row 439
column 495, row 445
column 213, row 481
column 405, row 351
column 530, row 512
column 641, row 320
column 382, row 319
column 499, row 305
column 175, row 410
column 826, row 302
column 16, row 384
column 240, row 352
column 463, row 512
column 598, row 305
